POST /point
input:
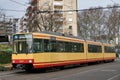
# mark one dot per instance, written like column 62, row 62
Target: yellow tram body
column 108, row 55
column 43, row 59
column 91, row 56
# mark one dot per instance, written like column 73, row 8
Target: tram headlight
column 13, row 61
column 30, row 61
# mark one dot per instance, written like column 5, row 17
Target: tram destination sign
column 22, row 36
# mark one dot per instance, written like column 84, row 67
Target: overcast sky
column 82, row 4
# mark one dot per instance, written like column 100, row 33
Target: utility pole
column 4, row 31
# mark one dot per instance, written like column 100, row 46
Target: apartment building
column 68, row 15
column 6, row 27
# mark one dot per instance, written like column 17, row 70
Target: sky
column 82, row 4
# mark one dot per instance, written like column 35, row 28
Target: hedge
column 5, row 53
column 5, row 57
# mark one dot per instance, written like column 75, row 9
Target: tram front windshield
column 22, row 43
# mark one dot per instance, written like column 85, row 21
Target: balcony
column 60, row 20
column 59, row 14
column 58, row 0
column 58, row 7
column 58, row 3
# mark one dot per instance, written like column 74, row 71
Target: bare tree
column 83, row 23
column 99, row 24
column 2, row 14
column 91, row 23
column 113, row 23
column 47, row 20
column 2, row 22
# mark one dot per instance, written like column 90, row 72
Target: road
column 104, row 71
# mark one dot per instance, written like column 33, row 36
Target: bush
column 5, row 57
column 2, row 68
column 5, row 53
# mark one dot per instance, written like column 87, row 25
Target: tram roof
column 60, row 34
column 66, row 35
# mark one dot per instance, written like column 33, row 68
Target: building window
column 70, row 13
column 70, row 27
column 70, row 20
column 46, row 4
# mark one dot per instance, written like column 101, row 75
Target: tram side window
column 47, row 47
column 109, row 49
column 74, row 47
column 54, row 46
column 37, row 46
column 78, row 47
column 68, row 47
column 61, row 46
column 94, row 48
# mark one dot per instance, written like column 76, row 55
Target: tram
column 44, row 50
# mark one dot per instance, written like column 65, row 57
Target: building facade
column 21, row 25
column 67, row 13
column 6, row 28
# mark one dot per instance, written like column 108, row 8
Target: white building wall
column 70, row 18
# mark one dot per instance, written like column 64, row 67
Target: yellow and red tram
column 42, row 50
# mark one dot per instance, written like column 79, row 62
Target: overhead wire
column 13, row 10
column 47, row 11
column 18, row 3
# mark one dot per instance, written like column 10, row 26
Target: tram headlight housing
column 30, row 61
column 13, row 61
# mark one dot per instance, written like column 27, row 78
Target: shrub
column 5, row 57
